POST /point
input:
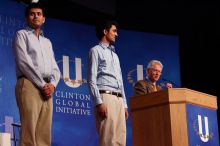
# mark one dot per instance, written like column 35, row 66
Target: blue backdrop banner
column 73, row 120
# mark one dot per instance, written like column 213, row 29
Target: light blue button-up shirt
column 35, row 58
column 104, row 72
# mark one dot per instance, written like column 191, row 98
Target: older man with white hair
column 149, row 84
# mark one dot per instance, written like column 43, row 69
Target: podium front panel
column 202, row 126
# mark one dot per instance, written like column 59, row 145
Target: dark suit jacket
column 143, row 87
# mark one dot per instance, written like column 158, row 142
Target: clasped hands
column 48, row 91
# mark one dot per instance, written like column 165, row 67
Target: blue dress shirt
column 104, row 72
column 35, row 58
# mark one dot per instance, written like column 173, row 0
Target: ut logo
column 78, row 81
column 203, row 137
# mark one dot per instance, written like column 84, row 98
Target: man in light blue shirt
column 37, row 77
column 106, row 86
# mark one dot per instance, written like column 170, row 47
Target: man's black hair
column 102, row 25
column 34, row 5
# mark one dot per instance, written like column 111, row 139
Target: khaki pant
column 112, row 130
column 35, row 115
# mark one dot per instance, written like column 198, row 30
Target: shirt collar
column 150, row 81
column 107, row 46
column 31, row 30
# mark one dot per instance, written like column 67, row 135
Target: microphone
column 166, row 80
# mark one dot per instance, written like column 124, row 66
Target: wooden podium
column 160, row 118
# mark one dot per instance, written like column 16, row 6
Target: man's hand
column 48, row 90
column 126, row 113
column 169, row 85
column 102, row 110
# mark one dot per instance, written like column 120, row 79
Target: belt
column 111, row 92
column 46, row 79
column 20, row 77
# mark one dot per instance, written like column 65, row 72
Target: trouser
column 112, row 130
column 35, row 114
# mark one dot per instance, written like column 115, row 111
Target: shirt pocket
column 102, row 64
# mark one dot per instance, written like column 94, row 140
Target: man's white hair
column 152, row 62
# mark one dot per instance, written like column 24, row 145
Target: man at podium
column 149, row 84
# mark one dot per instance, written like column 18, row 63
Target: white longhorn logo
column 203, row 137
column 78, row 73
